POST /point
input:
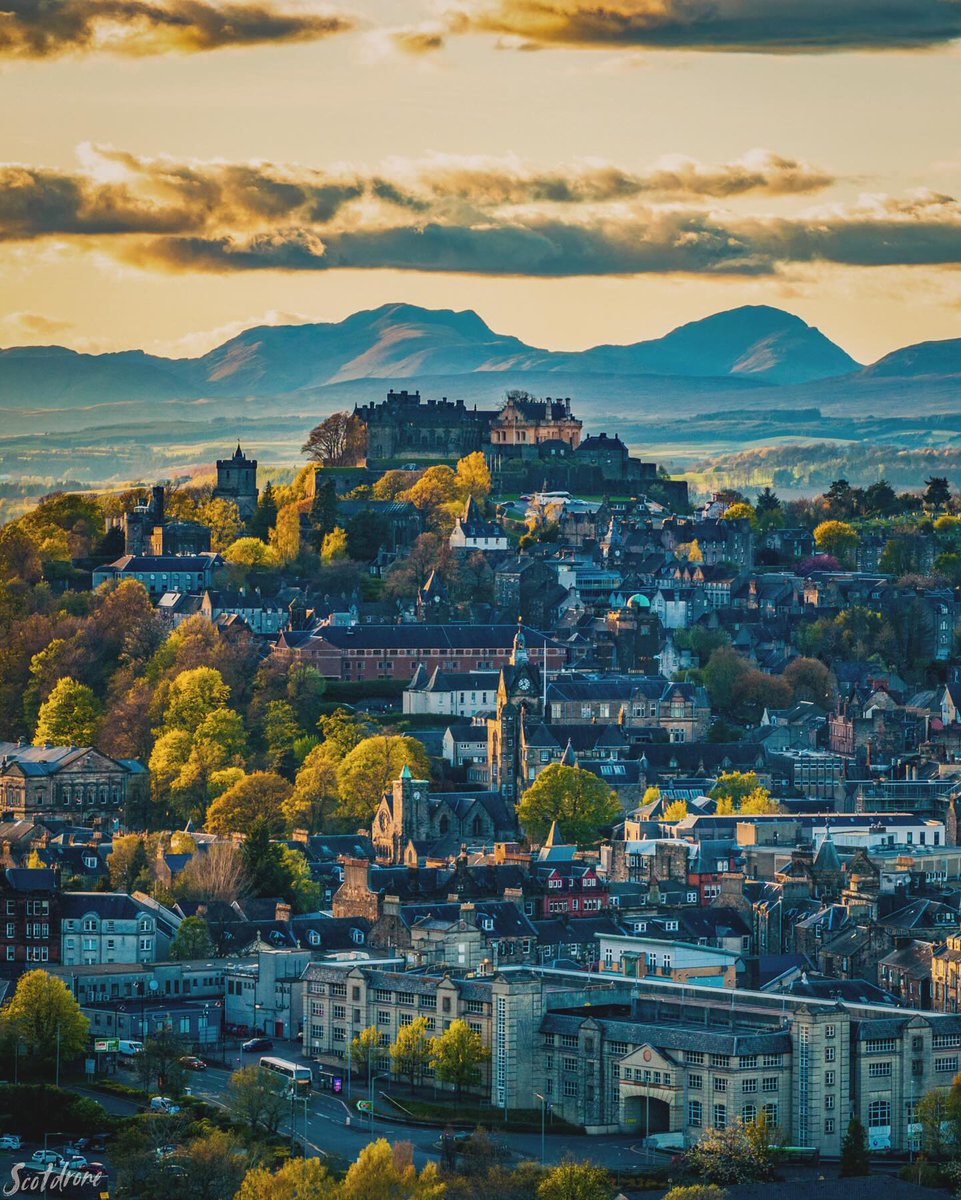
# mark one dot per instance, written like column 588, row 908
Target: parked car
column 257, row 1043
column 43, row 1158
column 76, row 1162
column 163, row 1104
column 192, row 1063
column 163, row 1152
column 10, row 1141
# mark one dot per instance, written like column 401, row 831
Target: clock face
column 524, row 685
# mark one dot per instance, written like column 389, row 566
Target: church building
column 237, row 481
column 519, row 697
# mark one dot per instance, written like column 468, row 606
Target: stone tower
column 518, row 697
column 237, row 481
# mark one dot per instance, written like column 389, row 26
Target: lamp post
column 370, row 1098
column 543, row 1101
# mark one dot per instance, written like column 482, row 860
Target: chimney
column 282, row 911
column 158, row 504
column 468, row 914
column 391, row 906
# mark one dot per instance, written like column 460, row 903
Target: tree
column 473, row 477
column 438, row 485
column 314, row 798
column 264, row 862
column 575, row 1181
column 257, row 1099
column 159, row 1060
column 192, row 939
column 854, row 1151
column 372, row 765
column 334, row 548
column 301, row 889
column 340, row 440
column 457, row 1054
column 411, row 1052
column 297, row 1179
column 285, row 536
column 193, row 695
column 223, row 518
column 70, row 716
column 128, row 864
column 722, row 672
column 215, row 1163
column 265, row 518
column 739, row 512
column 385, row 1172
column 44, row 1015
column 323, row 510
column 367, row 532
column 810, row 679
column 256, row 797
column 675, row 811
column 696, row 1191
column 937, row 493
column 838, row 539
column 216, row 874
column 366, row 1049
column 741, row 1153
column 880, row 499
column 580, row 802
column 252, row 552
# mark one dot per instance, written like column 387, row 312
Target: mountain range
column 756, row 344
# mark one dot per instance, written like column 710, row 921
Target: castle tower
column 237, row 481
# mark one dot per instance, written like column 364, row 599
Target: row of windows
column 723, row 1061
column 749, row 1113
column 769, row 1083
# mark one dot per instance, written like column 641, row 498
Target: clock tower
column 518, row 701
column 402, row 816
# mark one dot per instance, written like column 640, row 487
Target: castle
column 528, row 443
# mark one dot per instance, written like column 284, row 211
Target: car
column 163, row 1104
column 9, row 1141
column 192, row 1063
column 163, row 1152
column 257, row 1043
column 42, row 1158
column 76, row 1162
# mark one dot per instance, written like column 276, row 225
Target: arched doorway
column 644, row 1114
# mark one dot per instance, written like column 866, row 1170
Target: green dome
column 638, row 601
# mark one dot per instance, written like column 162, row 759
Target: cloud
column 32, row 326
column 470, row 215
column 51, row 28
column 760, row 26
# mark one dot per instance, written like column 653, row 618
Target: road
column 328, row 1130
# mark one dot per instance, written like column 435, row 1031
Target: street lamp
column 370, row 1097
column 543, row 1101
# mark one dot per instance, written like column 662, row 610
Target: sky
column 173, row 171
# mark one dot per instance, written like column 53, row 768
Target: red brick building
column 358, row 652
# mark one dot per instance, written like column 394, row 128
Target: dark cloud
column 49, row 28
column 765, row 26
column 475, row 216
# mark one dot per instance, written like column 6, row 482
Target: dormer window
column 357, row 936
column 670, row 926
column 313, row 937
column 487, row 924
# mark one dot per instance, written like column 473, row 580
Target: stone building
column 146, row 529
column 524, row 421
column 519, row 696
column 75, row 784
column 402, row 426
column 30, row 931
column 237, row 481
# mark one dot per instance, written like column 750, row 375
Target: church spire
column 519, row 652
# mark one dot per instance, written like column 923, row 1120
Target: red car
column 192, row 1063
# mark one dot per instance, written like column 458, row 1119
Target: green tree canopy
column 256, row 797
column 43, row 1013
column 70, row 716
column 370, row 768
column 580, row 803
column 457, row 1055
column 192, row 939
column 411, row 1052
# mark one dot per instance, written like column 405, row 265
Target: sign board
column 106, row 1045
column 365, row 1106
column 90, row 1066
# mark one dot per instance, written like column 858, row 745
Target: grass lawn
column 471, row 1110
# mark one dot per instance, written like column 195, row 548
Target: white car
column 9, row 1141
column 76, row 1162
column 45, row 1157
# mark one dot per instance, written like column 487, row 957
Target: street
column 328, row 1131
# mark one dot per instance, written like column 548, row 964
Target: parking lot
column 20, row 1175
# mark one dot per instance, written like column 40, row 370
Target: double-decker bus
column 297, row 1077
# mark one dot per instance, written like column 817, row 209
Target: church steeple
column 519, row 651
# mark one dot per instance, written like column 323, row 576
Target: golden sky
column 172, row 171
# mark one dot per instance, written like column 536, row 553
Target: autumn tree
column 128, row 863
column 334, row 548
column 251, row 552
column 315, row 798
column 437, row 485
column 366, row 1049
column 457, row 1055
column 411, row 1052
column 340, row 440
column 838, row 539
column 46, row 1018
column 256, row 1099
column 386, row 1172
column 258, row 796
column 369, row 769
column 580, row 803
column 675, row 811
column 473, row 477
column 224, row 520
column 70, row 716
column 575, row 1181
column 810, row 679
column 740, row 1153
column 297, row 1179
column 285, row 536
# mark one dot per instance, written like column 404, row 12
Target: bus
column 298, row 1078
